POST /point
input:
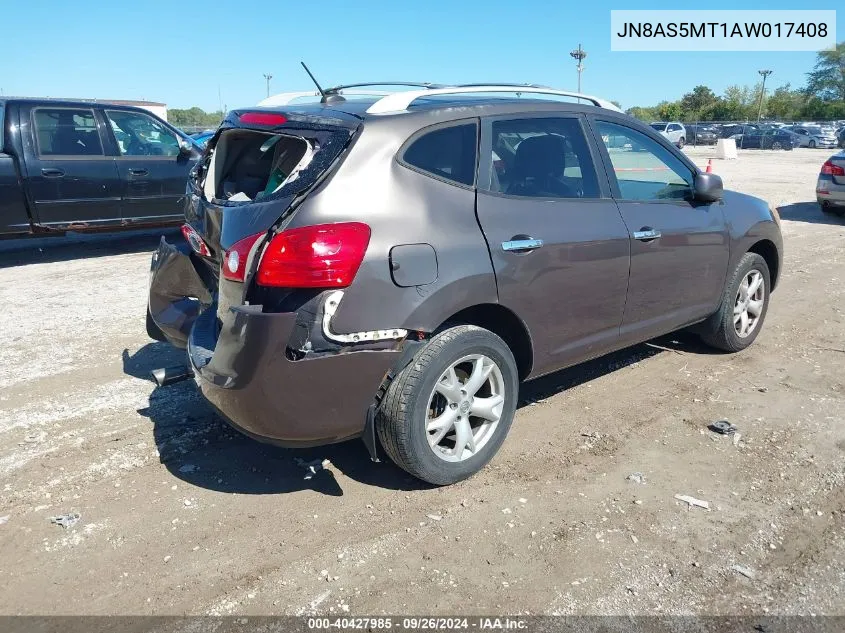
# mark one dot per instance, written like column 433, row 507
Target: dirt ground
column 180, row 515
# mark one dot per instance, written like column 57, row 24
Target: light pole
column 579, row 56
column 268, row 77
column 764, row 73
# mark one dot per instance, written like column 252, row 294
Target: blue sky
column 181, row 53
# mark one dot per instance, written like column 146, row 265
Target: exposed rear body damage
column 381, row 269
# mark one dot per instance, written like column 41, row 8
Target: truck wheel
column 743, row 309
column 447, row 413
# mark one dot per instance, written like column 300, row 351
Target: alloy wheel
column 465, row 407
column 748, row 306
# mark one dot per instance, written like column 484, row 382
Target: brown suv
column 392, row 268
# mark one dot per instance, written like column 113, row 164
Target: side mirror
column 708, row 187
column 185, row 147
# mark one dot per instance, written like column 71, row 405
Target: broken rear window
column 247, row 165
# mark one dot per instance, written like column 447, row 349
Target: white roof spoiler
column 399, row 101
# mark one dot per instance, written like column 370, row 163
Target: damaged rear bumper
column 177, row 292
column 246, row 373
column 248, row 367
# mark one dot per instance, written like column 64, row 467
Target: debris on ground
column 434, row 517
column 66, row 520
column 312, row 467
column 637, row 478
column 722, row 427
column 4, row 519
column 736, row 438
column 692, row 501
column 745, row 571
column 634, row 539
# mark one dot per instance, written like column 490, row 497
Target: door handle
column 139, row 172
column 646, row 234
column 50, row 172
column 522, row 245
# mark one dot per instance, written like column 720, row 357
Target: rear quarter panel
column 402, row 206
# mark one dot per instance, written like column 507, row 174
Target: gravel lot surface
column 179, row 514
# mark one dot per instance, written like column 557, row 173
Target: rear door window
column 542, row 158
column 448, row 153
column 67, row 132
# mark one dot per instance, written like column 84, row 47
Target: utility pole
column 579, row 56
column 764, row 73
column 268, row 77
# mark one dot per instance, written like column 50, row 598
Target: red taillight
column 829, row 169
column 196, row 242
column 321, row 256
column 262, row 118
column 234, row 260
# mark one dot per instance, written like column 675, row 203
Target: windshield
column 658, row 126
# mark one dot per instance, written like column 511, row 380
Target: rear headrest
column 541, row 156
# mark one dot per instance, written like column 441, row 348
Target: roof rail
column 286, row 98
column 399, row 101
column 410, row 84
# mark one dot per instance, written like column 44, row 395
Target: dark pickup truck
column 78, row 165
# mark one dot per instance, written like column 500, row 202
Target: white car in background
column 672, row 130
column 814, row 136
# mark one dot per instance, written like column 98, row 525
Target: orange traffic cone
column 709, row 169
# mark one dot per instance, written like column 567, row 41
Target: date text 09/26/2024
column 417, row 623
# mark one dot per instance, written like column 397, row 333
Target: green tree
column 785, row 103
column 827, row 79
column 643, row 114
column 194, row 116
column 669, row 110
column 698, row 104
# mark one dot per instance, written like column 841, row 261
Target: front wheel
column 681, row 142
column 812, row 145
column 745, row 302
column 447, row 413
column 777, row 145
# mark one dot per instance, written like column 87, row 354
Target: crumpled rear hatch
column 255, row 171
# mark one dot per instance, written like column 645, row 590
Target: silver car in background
column 674, row 131
column 814, row 136
column 830, row 189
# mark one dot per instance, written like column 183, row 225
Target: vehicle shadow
column 809, row 212
column 201, row 449
column 37, row 250
column 682, row 342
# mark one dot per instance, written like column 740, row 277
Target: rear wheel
column 777, row 145
column 745, row 302
column 681, row 142
column 811, row 144
column 447, row 413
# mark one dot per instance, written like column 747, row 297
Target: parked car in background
column 202, row 138
column 76, row 165
column 772, row 138
column 733, row 130
column 813, row 136
column 503, row 239
column 702, row 134
column 830, row 188
column 672, row 130
column 840, row 137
